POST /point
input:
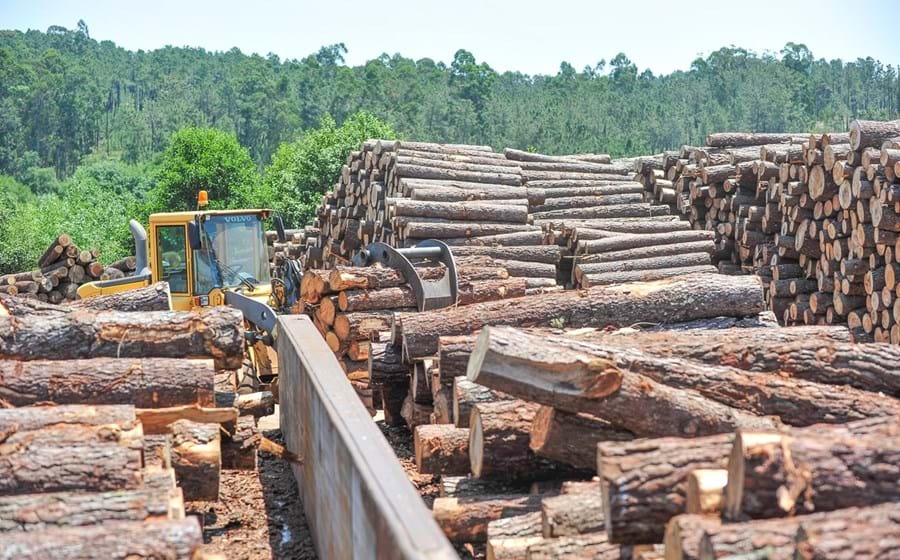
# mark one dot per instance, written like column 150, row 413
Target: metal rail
column 358, row 501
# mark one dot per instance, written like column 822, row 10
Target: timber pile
column 61, row 270
column 127, row 352
column 734, row 450
column 510, row 206
column 352, row 308
column 294, row 246
column 813, row 215
column 84, row 481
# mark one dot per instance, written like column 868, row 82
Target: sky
column 530, row 36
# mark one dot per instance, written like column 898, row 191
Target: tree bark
column 453, row 356
column 499, row 434
column 738, row 139
column 393, row 395
column 572, row 438
column 542, row 195
column 467, row 395
column 420, row 229
column 441, row 449
column 176, row 540
column 817, row 354
column 651, row 252
column 509, row 538
column 422, row 172
column 567, row 515
column 683, row 534
column 215, row 332
column 642, row 210
column 859, row 533
column 143, row 382
column 515, row 213
column 774, row 475
column 496, row 165
column 465, row 520
column 528, row 269
column 386, row 364
column 376, row 300
column 361, row 326
column 549, row 254
column 593, row 546
column 415, row 414
column 668, row 301
column 55, row 250
column 468, row 487
column 374, row 278
column 259, row 404
column 149, row 298
column 870, row 134
column 487, row 193
column 586, row 201
column 60, row 458
column 634, row 241
column 240, row 444
column 608, row 278
column 515, row 239
column 32, row 418
column 78, row 509
column 644, row 482
column 554, row 372
column 652, row 263
column 197, row 459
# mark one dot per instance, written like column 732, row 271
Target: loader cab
column 203, row 254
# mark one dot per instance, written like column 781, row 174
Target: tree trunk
column 738, row 139
column 818, row 354
column 215, row 332
column 572, row 514
column 651, row 252
column 257, row 404
column 197, row 459
column 77, row 509
column 548, row 254
column 510, row 537
column 468, row 487
column 683, row 534
column 554, row 372
column 62, row 457
column 371, row 300
column 361, row 326
column 863, row 533
column 634, row 241
column 441, row 449
column 667, row 301
column 422, row 172
column 465, row 520
column 421, row 229
column 516, row 239
column 28, row 419
column 572, row 438
column 375, row 278
column 514, row 212
column 541, row 196
column 149, row 298
column 499, row 436
column 652, row 263
column 487, row 193
column 585, row 201
column 478, row 292
column 467, row 395
column 453, row 356
column 55, row 250
column 870, row 134
column 644, row 482
column 593, row 546
column 143, row 382
column 642, row 210
column 386, row 364
column 176, row 540
column 496, row 165
column 774, row 475
column 605, row 279
column 528, row 269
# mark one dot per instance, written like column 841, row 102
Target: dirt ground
column 259, row 515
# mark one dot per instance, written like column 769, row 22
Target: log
column 467, row 487
column 215, row 332
column 683, row 534
column 415, row 414
column 572, row 514
column 385, row 364
column 515, row 239
column 77, row 509
column 466, row 395
column 361, row 326
column 423, row 172
column 528, row 269
column 865, row 533
column 62, row 457
column 706, row 491
column 634, row 241
column 774, row 475
column 452, row 194
column 28, row 419
column 553, row 372
column 374, row 278
column 549, row 254
column 474, row 211
column 654, row 251
column 465, row 519
column 607, row 278
column 871, row 134
column 651, row 263
column 197, row 459
column 421, row 229
column 818, row 354
column 239, row 445
column 143, row 382
column 498, row 442
column 738, row 139
column 509, row 538
column 55, row 250
column 453, row 356
column 149, row 298
column 586, row 201
column 590, row 546
column 176, row 540
column 393, row 396
column 598, row 212
column 441, row 449
column 785, row 537
column 572, row 438
column 370, row 300
column 257, row 404
column 644, row 482
column 666, row 301
column 157, row 420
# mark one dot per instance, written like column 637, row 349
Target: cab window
column 171, row 252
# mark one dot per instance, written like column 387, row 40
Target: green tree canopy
column 204, row 159
column 301, row 171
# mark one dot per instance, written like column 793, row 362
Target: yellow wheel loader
column 213, row 257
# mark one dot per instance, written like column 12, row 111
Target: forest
column 91, row 133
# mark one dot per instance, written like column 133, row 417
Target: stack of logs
column 814, row 216
column 697, row 437
column 61, row 270
column 108, row 403
column 482, row 203
column 293, row 247
column 352, row 308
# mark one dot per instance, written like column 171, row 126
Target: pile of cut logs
column 813, row 215
column 293, row 247
column 698, row 435
column 510, row 206
column 116, row 411
column 61, row 270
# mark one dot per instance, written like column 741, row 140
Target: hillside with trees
column 91, row 133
